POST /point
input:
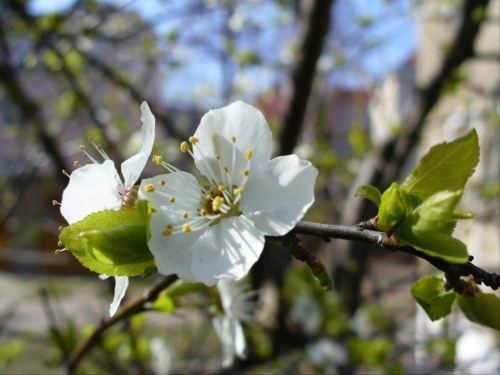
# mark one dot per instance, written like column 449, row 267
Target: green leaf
column 181, row 287
column 164, row 303
column 424, row 228
column 394, row 207
column 429, row 292
column 369, row 192
column 483, row 308
column 144, row 209
column 446, row 166
column 448, row 228
column 73, row 239
column 125, row 244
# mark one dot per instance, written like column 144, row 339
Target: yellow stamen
column 193, row 140
column 82, row 147
column 186, row 228
column 65, row 173
column 60, row 228
column 162, row 182
column 76, row 164
column 153, row 209
column 208, row 197
column 245, row 172
column 238, row 191
column 167, row 232
column 90, row 139
column 226, row 169
column 217, row 157
column 170, row 226
column 248, row 154
column 184, row 146
column 172, row 199
column 185, row 214
column 59, row 244
column 221, row 187
column 157, row 159
column 54, row 202
column 57, row 252
column 149, row 188
column 203, row 212
column 233, row 138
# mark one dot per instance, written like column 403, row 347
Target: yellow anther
column 217, row 157
column 245, row 172
column 170, row 226
column 162, row 182
column 54, row 202
column 59, row 244
column 203, row 212
column 226, row 169
column 233, row 139
column 149, row 188
column 221, row 187
column 89, row 162
column 172, row 199
column 238, row 191
column 57, row 252
column 153, row 209
column 82, row 147
column 157, row 159
column 76, row 164
column 248, row 154
column 60, row 228
column 185, row 214
column 85, row 155
column 208, row 197
column 65, row 173
column 90, row 139
column 186, row 228
column 167, row 232
column 99, row 147
column 184, row 146
column 193, row 140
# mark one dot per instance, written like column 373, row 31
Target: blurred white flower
column 326, row 352
column 96, row 187
column 161, row 359
column 307, row 313
column 238, row 305
column 206, row 233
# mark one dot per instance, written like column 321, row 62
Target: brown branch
column 382, row 240
column 136, row 305
column 303, row 74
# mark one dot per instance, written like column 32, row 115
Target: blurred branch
column 389, row 163
column 29, row 109
column 303, row 74
column 136, row 305
column 382, row 240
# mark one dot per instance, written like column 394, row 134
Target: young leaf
column 424, row 228
column 483, row 308
column 429, row 292
column 125, row 244
column 448, row 228
column 369, row 192
column 394, row 207
column 73, row 240
column 447, row 166
column 459, row 215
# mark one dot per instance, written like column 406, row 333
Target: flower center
column 219, row 200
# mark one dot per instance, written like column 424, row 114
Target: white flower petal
column 239, row 342
column 276, row 201
column 182, row 186
column 222, row 327
column 251, row 130
column 228, row 249
column 92, row 188
column 132, row 167
column 121, row 285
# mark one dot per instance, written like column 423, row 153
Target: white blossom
column 96, row 187
column 204, row 233
column 237, row 305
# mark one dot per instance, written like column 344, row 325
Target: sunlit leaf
column 447, row 166
column 430, row 294
column 483, row 308
column 394, row 207
column 369, row 192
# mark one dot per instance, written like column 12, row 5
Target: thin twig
column 381, row 239
column 136, row 305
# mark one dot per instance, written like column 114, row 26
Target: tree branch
column 382, row 240
column 138, row 304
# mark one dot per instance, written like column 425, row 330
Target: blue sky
column 395, row 32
